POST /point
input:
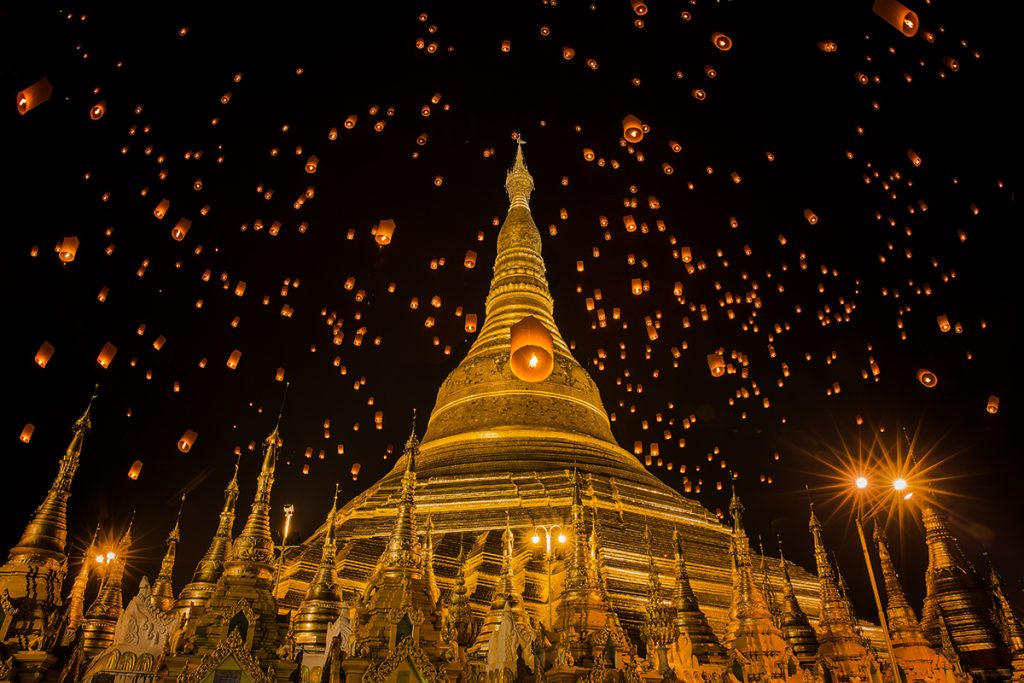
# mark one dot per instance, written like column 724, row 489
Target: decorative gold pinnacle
column 162, row 595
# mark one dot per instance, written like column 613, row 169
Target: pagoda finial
column 412, row 446
column 321, row 605
column 793, row 622
column 690, row 620
column 280, row 412
column 76, row 599
column 835, row 616
column 162, row 594
column 518, row 181
column 403, row 550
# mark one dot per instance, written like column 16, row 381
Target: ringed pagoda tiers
column 500, row 447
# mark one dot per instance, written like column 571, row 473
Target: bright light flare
column 899, row 483
column 861, row 482
column 561, row 538
column 535, row 539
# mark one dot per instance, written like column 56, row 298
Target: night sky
column 223, row 108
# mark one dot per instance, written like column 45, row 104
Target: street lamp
column 289, row 510
column 549, row 531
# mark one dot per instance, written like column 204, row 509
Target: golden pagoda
column 505, row 437
column 101, row 617
column 162, row 593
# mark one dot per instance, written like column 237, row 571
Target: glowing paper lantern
column 531, row 350
column 721, row 41
column 897, row 15
column 134, row 470
column 67, row 249
column 311, row 163
column 187, row 440
column 44, row 353
column 233, row 359
column 639, row 7
column 98, row 110
column 716, row 363
column 991, row 406
column 632, row 129
column 811, row 217
column 26, row 432
column 161, row 209
column 354, row 471
column 106, row 355
column 927, row 378
column 34, row 95
column 180, row 229
column 470, row 260
column 944, row 325
column 471, row 322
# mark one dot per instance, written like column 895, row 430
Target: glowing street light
column 861, row 482
column 900, row 484
column 549, row 531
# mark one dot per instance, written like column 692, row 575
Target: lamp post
column 289, row 510
column 899, row 486
column 549, row 531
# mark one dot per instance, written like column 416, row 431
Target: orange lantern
column 355, row 470
column 897, row 15
column 639, row 7
column 914, row 158
column 311, row 164
column 811, row 217
column 685, row 255
column 106, row 355
column 180, row 229
column 721, row 41
column 233, row 359
column 44, row 353
column 98, row 110
column 34, row 95
column 279, row 375
column 531, row 350
column 632, row 129
column 927, row 378
column 637, row 286
column 992, row 406
column 716, row 363
column 67, row 249
column 384, row 232
column 161, row 209
column 588, row 154
column 187, row 440
column 944, row 325
column 470, row 260
column 134, row 470
column 471, row 322
column 350, row 122
column 26, row 433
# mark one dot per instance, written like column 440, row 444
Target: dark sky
column 793, row 122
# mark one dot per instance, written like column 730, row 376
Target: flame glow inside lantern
column 44, row 353
column 180, row 229
column 385, row 231
column 897, row 15
column 135, row 470
column 187, row 440
column 233, row 359
column 98, row 110
column 639, row 7
column 67, row 249
column 471, row 322
column 721, row 41
column 26, row 433
column 716, row 364
column 355, row 470
column 34, row 95
column 311, row 164
column 927, row 378
column 532, row 353
column 811, row 217
column 632, row 129
column 161, row 209
column 470, row 260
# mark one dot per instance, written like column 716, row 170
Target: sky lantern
column 811, row 217
column 161, row 209
column 944, row 325
column 180, row 229
column 67, row 249
column 385, row 231
column 991, row 406
column 135, row 470
column 471, row 322
column 506, row 46
column 637, row 286
column 187, row 440
column 98, row 110
column 354, row 471
column 927, row 378
column 233, row 359
column 44, row 354
column 34, row 95
column 106, row 355
column 26, row 432
column 914, row 158
column 716, row 363
column 721, row 41
column 897, row 15
column 470, row 260
column 639, row 7
column 632, row 129
column 350, row 122
column 568, row 53
column 311, row 163
column 532, row 353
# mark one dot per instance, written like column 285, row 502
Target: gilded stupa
column 498, row 445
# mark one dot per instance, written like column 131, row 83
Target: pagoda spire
column 252, row 553
column 506, row 600
column 658, row 630
column 766, row 586
column 1009, row 625
column 162, row 595
column 578, row 574
column 209, row 569
column 76, row 599
column 428, row 560
column 403, row 549
column 102, row 616
column 749, row 611
column 459, row 623
column 690, row 621
column 518, row 181
column 45, row 536
column 322, row 603
column 793, row 621
column 904, row 628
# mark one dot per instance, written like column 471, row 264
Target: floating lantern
column 26, row 432
column 471, row 322
column 531, row 350
column 67, row 249
column 827, row 46
column 632, row 129
column 639, row 7
column 811, row 217
column 180, row 229
column 991, row 407
column 135, row 470
column 385, row 231
column 944, row 325
column 928, row 378
column 568, row 53
column 588, row 154
column 187, row 440
column 44, row 353
column 716, row 363
column 106, row 355
column 354, row 471
column 34, row 95
column 98, row 110
column 233, row 359
column 311, row 163
column 470, row 260
column 161, row 209
column 914, row 158
column 506, row 46
column 637, row 286
column 721, row 41
column 897, row 15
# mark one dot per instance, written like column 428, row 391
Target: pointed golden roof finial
column 835, row 616
column 412, row 446
column 162, row 594
column 689, row 619
column 321, row 605
column 102, row 616
column 210, row 568
column 518, row 181
column 403, row 550
column 902, row 622
column 793, row 622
